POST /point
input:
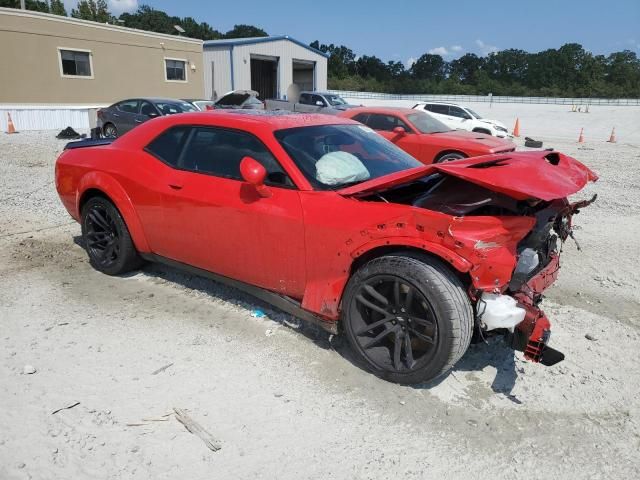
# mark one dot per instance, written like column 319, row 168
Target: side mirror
column 399, row 133
column 254, row 174
column 319, row 103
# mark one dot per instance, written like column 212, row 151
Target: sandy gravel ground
column 286, row 402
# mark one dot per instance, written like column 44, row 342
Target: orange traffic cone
column 581, row 137
column 516, row 128
column 10, row 127
column 612, row 138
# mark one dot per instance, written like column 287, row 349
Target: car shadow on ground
column 494, row 352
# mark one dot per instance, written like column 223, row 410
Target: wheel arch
column 324, row 296
column 103, row 185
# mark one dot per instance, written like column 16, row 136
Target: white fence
column 48, row 117
column 489, row 99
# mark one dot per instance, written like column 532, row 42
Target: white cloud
column 456, row 48
column 118, row 6
column 442, row 51
column 485, row 48
column 410, row 61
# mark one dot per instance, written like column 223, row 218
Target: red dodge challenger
column 329, row 221
column 424, row 137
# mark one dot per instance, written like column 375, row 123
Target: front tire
column 107, row 239
column 408, row 320
column 448, row 157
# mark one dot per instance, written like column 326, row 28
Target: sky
column 402, row 30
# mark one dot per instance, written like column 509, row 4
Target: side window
column 305, row 99
column 361, row 117
column 168, row 145
column 441, row 109
column 318, row 98
column 128, row 106
column 218, row 152
column 458, row 112
column 386, row 122
column 147, row 109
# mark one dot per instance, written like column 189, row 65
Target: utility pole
column 22, row 5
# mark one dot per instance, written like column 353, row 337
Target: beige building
column 51, row 62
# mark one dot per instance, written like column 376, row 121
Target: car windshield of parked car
column 425, row 123
column 474, row 113
column 337, row 156
column 170, row 108
column 335, row 100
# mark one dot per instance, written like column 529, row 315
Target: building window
column 76, row 63
column 176, row 70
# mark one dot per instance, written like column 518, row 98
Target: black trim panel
column 281, row 302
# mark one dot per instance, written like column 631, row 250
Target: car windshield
column 473, row 113
column 337, row 156
column 335, row 100
column 169, row 108
column 425, row 123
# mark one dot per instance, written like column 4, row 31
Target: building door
column 264, row 77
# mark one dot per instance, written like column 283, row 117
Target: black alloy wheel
column 394, row 324
column 110, row 130
column 107, row 239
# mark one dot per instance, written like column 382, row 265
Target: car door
column 125, row 115
column 441, row 112
column 305, row 103
column 216, row 221
column 146, row 112
column 460, row 118
column 384, row 125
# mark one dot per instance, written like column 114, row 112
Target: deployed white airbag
column 335, row 168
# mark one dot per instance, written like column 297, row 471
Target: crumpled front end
column 506, row 218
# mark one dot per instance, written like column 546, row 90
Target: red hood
column 520, row 175
column 463, row 139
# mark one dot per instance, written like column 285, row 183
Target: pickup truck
column 312, row 102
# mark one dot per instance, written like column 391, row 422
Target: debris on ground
column 70, row 134
column 257, row 313
column 588, row 336
column 161, row 369
column 194, row 427
column 74, row 404
column 29, row 370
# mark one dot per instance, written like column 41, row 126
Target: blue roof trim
column 248, row 41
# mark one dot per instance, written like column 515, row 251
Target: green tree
column 244, row 31
column 429, row 67
column 57, row 8
column 95, row 10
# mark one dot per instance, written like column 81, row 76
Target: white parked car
column 463, row 118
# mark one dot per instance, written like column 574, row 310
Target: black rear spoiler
column 88, row 142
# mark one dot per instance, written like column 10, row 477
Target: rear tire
column 448, row 157
column 107, row 239
column 408, row 320
column 109, row 130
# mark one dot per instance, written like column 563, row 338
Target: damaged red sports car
column 329, row 221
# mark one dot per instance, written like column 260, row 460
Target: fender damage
column 503, row 219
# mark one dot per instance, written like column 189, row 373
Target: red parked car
column 327, row 220
column 424, row 137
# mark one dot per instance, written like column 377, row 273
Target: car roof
column 152, row 100
column 271, row 119
column 439, row 103
column 381, row 110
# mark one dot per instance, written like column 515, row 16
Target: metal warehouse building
column 55, row 68
column 275, row 67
